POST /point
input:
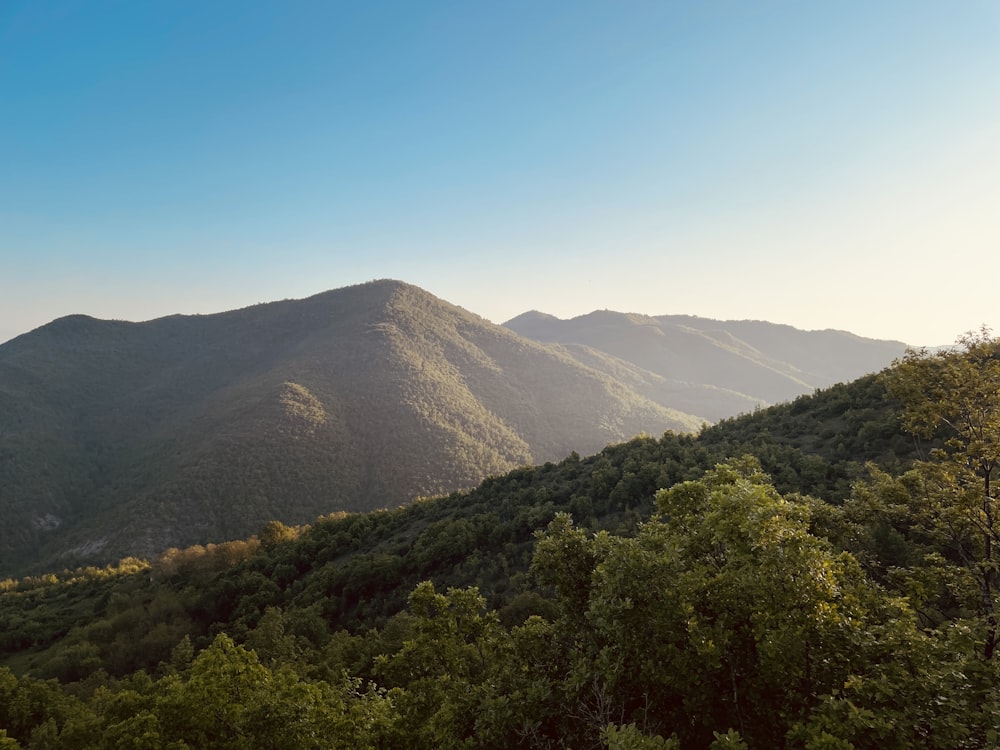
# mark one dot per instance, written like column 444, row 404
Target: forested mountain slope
column 125, row 438
column 743, row 616
column 359, row 568
column 716, row 368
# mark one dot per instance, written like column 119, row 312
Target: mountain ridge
column 756, row 362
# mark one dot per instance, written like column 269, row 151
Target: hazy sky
column 826, row 164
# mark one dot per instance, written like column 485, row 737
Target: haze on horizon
column 823, row 165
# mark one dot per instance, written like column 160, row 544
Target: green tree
column 231, row 701
column 438, row 675
column 270, row 641
column 955, row 394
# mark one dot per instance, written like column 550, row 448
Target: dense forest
column 821, row 574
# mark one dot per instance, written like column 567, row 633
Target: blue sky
column 821, row 164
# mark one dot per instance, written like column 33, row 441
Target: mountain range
column 121, row 438
column 713, row 368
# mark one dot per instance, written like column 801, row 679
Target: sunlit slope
column 717, row 368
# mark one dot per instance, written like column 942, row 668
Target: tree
column 229, row 700
column 438, row 675
column 955, row 395
column 270, row 641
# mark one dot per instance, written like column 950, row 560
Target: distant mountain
column 713, row 368
column 125, row 438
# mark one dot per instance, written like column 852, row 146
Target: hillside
column 359, row 568
column 124, row 438
column 489, row 618
column 713, row 368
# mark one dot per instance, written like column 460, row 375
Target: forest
column 819, row 575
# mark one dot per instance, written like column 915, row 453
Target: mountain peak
column 529, row 318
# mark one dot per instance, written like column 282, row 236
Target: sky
column 823, row 164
